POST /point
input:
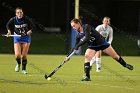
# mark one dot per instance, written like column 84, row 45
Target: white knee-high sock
column 98, row 63
column 92, row 61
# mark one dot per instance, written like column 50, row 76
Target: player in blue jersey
column 20, row 25
column 96, row 42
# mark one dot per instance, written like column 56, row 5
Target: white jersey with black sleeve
column 106, row 32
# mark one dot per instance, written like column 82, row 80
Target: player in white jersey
column 107, row 32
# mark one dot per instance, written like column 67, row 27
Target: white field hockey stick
column 59, row 65
column 12, row 35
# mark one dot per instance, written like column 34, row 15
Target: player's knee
column 88, row 57
column 17, row 56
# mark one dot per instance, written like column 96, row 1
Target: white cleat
column 98, row 70
column 24, row 72
column 17, row 68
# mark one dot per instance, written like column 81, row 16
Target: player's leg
column 25, row 48
column 17, row 49
column 92, row 61
column 98, row 61
column 110, row 51
column 88, row 56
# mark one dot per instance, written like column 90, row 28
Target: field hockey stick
column 12, row 35
column 67, row 58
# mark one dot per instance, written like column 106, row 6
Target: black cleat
column 130, row 67
column 86, row 79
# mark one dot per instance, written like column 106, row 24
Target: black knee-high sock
column 87, row 69
column 24, row 62
column 122, row 62
column 18, row 60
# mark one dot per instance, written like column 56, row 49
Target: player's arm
column 9, row 26
column 29, row 32
column 30, row 26
column 110, row 38
column 77, row 39
column 98, row 29
column 85, row 39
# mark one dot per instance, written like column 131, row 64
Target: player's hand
column 8, row 34
column 76, row 48
column 66, row 59
column 109, row 42
column 23, row 34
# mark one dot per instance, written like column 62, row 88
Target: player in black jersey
column 20, row 25
column 96, row 42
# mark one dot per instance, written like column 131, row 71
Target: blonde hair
column 107, row 17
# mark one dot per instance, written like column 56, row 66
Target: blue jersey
column 20, row 26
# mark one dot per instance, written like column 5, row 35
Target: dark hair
column 18, row 8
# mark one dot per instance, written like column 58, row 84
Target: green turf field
column 112, row 79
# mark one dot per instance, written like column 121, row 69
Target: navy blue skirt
column 103, row 46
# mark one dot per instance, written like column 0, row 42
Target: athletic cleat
column 98, row 70
column 86, row 79
column 24, row 72
column 17, row 68
column 130, row 67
